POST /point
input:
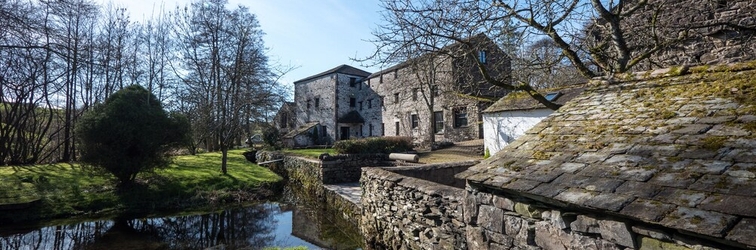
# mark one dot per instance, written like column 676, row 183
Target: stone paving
column 350, row 191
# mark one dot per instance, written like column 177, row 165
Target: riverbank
column 54, row 191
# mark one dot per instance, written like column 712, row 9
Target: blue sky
column 313, row 35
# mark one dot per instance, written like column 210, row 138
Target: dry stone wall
column 348, row 168
column 437, row 173
column 512, row 221
column 402, row 212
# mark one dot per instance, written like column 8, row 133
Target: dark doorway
column 344, row 133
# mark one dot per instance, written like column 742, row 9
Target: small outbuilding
column 512, row 115
column 307, row 135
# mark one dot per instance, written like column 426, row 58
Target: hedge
column 374, row 145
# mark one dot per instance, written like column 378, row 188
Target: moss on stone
column 750, row 127
column 654, row 244
column 722, row 183
column 540, row 155
column 713, row 142
column 695, row 220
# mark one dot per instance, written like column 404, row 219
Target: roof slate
column 302, row 129
column 344, row 69
column 523, row 101
column 451, row 48
column 666, row 147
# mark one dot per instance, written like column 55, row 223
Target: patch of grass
column 310, row 153
column 66, row 190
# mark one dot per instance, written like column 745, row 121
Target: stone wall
column 512, row 221
column 348, row 210
column 438, row 173
column 312, row 174
column 402, row 212
column 348, row 168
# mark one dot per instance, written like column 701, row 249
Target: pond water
column 285, row 224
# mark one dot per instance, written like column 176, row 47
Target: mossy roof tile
column 683, row 143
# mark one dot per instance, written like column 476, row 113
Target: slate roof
column 667, row 147
column 523, row 101
column 479, row 38
column 351, row 117
column 343, row 69
column 302, row 129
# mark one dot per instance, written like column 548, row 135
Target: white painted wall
column 502, row 128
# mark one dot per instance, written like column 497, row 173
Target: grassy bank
column 309, row 153
column 66, row 190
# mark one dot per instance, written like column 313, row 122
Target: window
column 352, row 102
column 460, row 117
column 414, row 120
column 414, row 94
column 370, row 129
column 308, row 104
column 434, row 90
column 352, row 82
column 370, row 103
column 360, row 105
column 482, row 57
column 553, row 96
column 284, row 119
column 381, row 79
column 395, row 73
column 396, row 128
column 438, row 121
column 396, row 97
column 382, row 100
column 383, row 129
column 317, row 102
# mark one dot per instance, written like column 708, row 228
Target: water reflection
column 299, row 220
column 253, row 227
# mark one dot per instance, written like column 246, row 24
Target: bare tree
column 227, row 74
column 542, row 65
column 597, row 37
column 412, row 24
column 70, row 22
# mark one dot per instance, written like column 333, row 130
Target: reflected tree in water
column 250, row 227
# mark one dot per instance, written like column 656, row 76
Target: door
column 344, row 133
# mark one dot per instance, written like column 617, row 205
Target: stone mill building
column 438, row 94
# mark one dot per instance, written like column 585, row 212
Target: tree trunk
column 224, row 159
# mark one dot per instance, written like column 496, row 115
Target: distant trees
column 60, row 58
column 129, row 133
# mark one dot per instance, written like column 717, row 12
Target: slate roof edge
column 526, row 102
column 338, row 69
column 407, row 62
column 300, row 130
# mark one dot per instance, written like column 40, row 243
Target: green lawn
column 310, row 153
column 64, row 190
